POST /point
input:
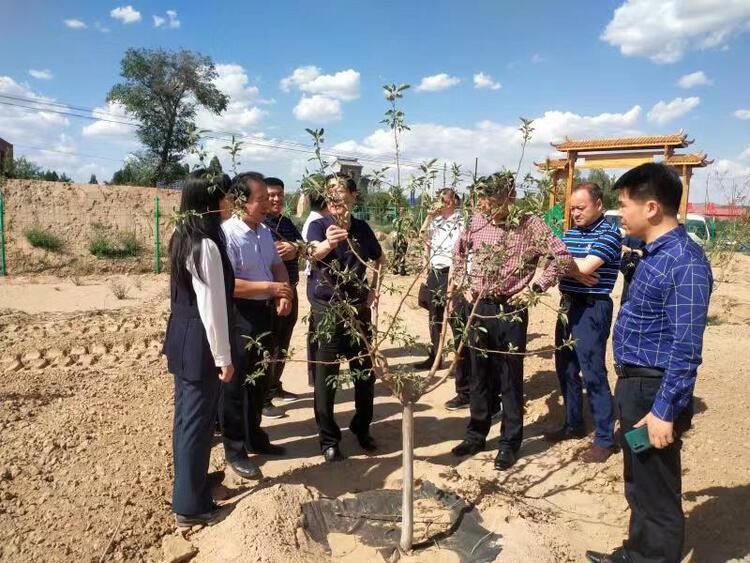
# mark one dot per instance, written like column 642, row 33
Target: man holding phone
column 658, row 339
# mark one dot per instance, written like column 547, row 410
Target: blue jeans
column 589, row 322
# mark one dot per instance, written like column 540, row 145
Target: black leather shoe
column 367, row 442
column 270, row 449
column 204, row 519
column 563, row 434
column 467, row 447
column 617, row 556
column 214, row 479
column 332, row 453
column 505, row 459
column 246, row 469
column 457, row 402
column 426, row 364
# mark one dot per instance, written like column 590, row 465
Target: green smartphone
column 637, row 439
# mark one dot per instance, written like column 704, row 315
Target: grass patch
column 121, row 245
column 39, row 238
column 714, row 320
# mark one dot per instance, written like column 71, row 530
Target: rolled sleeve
column 686, row 306
column 608, row 247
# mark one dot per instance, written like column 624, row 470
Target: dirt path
column 85, row 425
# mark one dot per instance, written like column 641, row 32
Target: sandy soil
column 85, row 464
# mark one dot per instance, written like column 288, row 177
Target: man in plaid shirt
column 494, row 265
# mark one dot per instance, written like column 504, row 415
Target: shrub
column 119, row 289
column 40, row 238
column 124, row 245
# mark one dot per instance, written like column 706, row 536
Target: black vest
column 185, row 343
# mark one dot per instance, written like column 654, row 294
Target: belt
column 625, row 372
column 586, row 297
column 441, row 270
column 252, row 303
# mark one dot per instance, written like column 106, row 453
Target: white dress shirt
column 251, row 252
column 444, row 232
column 211, row 298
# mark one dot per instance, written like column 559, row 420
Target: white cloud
column 173, row 22
column 101, row 28
column 437, row 82
column 663, row 30
column 43, row 74
column 126, row 14
column 694, row 79
column 664, row 112
column 495, row 144
column 27, row 126
column 742, row 114
column 73, row 23
column 242, row 111
column 343, row 85
column 746, row 153
column 482, row 80
column 105, row 128
column 536, row 58
column 317, row 109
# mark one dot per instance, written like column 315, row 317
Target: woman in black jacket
column 198, row 341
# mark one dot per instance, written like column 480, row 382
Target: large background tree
column 162, row 90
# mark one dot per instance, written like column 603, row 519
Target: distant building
column 6, row 156
column 353, row 168
column 350, row 166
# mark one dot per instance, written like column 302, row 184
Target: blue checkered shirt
column 662, row 323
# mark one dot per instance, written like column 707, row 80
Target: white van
column 700, row 229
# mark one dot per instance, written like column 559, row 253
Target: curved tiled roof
column 615, row 143
column 694, row 159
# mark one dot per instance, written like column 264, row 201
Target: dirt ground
column 85, row 427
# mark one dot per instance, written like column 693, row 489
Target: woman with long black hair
column 198, row 341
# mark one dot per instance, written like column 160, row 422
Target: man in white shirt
column 261, row 282
column 441, row 230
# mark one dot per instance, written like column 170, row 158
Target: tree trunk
column 407, row 499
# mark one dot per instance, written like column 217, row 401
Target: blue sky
column 595, row 68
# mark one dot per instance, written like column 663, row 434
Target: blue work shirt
column 662, row 323
column 600, row 239
column 328, row 273
column 251, row 252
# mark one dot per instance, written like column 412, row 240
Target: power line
column 280, row 144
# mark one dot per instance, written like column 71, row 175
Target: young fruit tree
column 391, row 328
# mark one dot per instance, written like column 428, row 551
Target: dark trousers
column 589, row 322
column 242, row 402
column 653, row 480
column 312, row 351
column 490, row 336
column 282, row 328
column 194, row 415
column 328, row 351
column 437, row 284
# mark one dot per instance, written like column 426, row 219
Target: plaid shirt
column 502, row 259
column 662, row 323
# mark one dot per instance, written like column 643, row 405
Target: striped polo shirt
column 600, row 239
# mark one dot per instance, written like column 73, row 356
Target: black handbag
column 424, row 297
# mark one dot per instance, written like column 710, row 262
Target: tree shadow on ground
column 718, row 529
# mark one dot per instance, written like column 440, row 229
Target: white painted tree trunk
column 407, row 499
